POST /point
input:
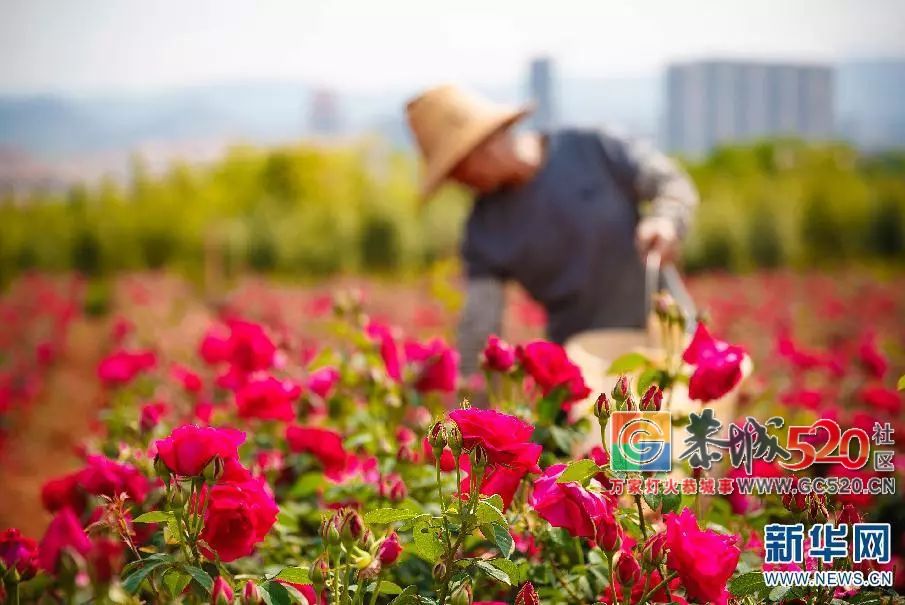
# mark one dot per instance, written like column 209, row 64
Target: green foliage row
column 311, row 210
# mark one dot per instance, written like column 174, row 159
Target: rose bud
column 330, row 531
column 161, row 470
column 602, row 407
column 498, row 356
column 437, row 438
column 817, row 512
column 439, row 571
column 214, row 470
column 251, row 595
column 454, row 438
column 319, row 573
column 351, row 528
column 222, row 592
column 654, row 551
column 527, row 595
column 849, row 515
column 652, row 399
column 462, row 595
column 621, row 390
column 608, row 534
column 627, row 569
column 389, row 550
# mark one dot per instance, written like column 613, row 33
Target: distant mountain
column 55, row 129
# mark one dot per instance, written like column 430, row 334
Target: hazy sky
column 105, row 45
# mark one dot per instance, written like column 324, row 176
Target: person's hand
column 657, row 234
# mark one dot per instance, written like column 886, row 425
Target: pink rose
column 389, row 350
column 704, row 559
column 104, row 477
column 718, row 366
column 222, row 592
column 550, row 367
column 121, row 367
column 63, row 492
column 321, row 382
column 505, row 438
column 246, row 348
column 151, row 415
column 436, row 365
column 187, row 379
column 64, row 533
column 498, row 355
column 870, row 356
column 190, row 448
column 568, row 505
column 268, row 399
column 880, row 397
column 389, row 550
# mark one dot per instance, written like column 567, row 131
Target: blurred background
column 269, row 136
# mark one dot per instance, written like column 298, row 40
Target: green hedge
column 316, row 210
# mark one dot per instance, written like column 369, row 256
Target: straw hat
column 448, row 123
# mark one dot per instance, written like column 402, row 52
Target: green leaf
column 386, row 587
column 511, row 569
column 155, row 516
column 487, row 513
column 296, row 575
column 901, row 385
column 670, row 503
column 133, row 582
column 382, row 516
column 778, row 592
column 627, row 363
column 654, row 501
column 274, row 593
column 425, row 542
column 579, row 470
column 748, row 584
column 494, row 572
column 648, row 377
column 499, row 535
column 201, row 577
column 175, row 581
column 549, row 407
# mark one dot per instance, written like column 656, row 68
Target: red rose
column 187, row 379
column 122, row 366
column 104, row 477
column 190, row 448
column 222, row 592
column 321, row 382
column 704, row 559
column 568, row 505
column 499, row 480
column 19, row 552
column 880, row 397
column 238, row 516
column 389, row 351
column 246, row 348
column 550, row 367
column 718, row 366
column 870, row 356
column 63, row 492
column 151, row 415
column 64, row 533
column 268, row 399
column 324, row 444
column 436, row 365
column 505, row 438
column 498, row 355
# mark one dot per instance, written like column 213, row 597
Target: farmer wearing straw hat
column 569, row 214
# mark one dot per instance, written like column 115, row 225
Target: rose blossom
column 568, row 505
column 506, row 439
column 190, row 448
column 550, row 367
column 436, row 363
column 151, row 414
column 389, row 550
column 498, row 355
column 104, row 477
column 322, row 381
column 64, row 532
column 19, row 552
column 121, row 367
column 324, row 444
column 718, row 365
column 267, row 399
column 389, row 351
column 238, row 516
column 704, row 559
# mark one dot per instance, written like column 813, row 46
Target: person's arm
column 657, row 178
column 482, row 316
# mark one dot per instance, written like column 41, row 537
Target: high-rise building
column 323, row 118
column 540, row 88
column 709, row 103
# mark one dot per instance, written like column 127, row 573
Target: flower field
column 283, row 444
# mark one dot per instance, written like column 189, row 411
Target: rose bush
column 268, row 468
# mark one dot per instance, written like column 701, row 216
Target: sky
column 99, row 46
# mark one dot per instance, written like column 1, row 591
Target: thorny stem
column 562, row 582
